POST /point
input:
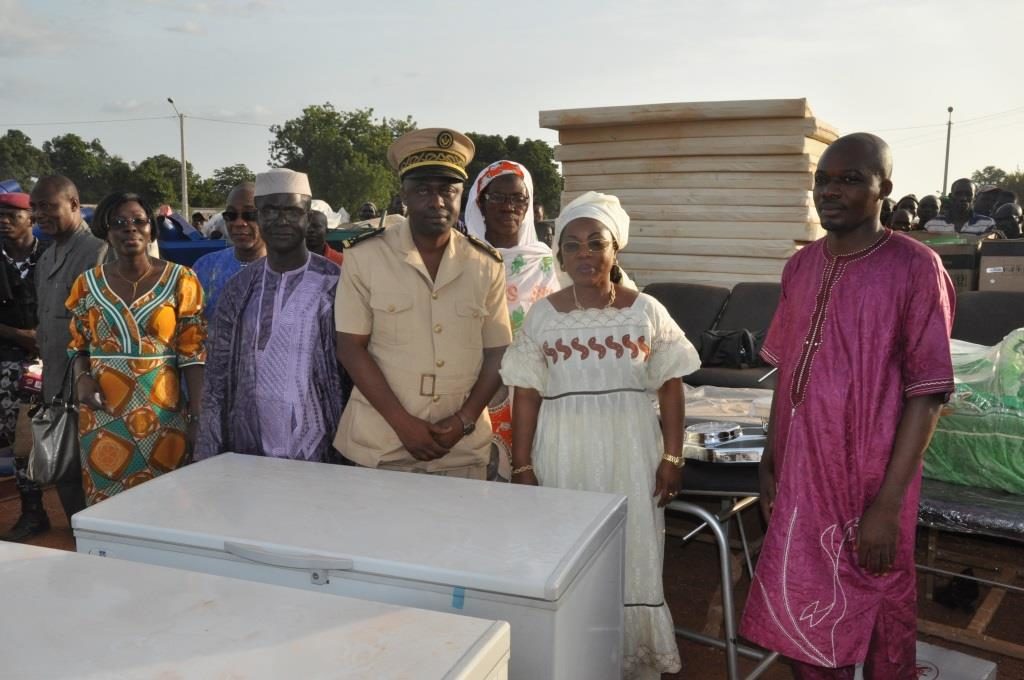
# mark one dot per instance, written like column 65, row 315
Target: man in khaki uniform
column 422, row 324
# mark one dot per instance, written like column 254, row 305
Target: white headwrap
column 474, row 216
column 282, row 181
column 604, row 208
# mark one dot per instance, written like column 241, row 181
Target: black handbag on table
column 55, row 442
column 731, row 349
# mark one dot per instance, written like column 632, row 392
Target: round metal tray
column 713, row 433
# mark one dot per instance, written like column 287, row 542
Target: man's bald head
column 872, row 150
column 57, row 185
column 245, row 190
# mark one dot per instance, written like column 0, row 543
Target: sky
column 886, row 66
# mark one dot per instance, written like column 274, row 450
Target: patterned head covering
column 475, row 217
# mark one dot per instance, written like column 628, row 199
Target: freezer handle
column 255, row 553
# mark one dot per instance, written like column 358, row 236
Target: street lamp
column 184, row 171
column 945, row 172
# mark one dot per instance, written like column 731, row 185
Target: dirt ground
column 691, row 587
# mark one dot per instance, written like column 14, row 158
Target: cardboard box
column 937, row 663
column 1002, row 265
column 961, row 263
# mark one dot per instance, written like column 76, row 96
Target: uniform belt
column 433, row 385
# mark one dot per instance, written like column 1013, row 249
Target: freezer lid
column 89, row 617
column 504, row 538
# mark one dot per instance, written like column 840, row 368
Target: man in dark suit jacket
column 57, row 211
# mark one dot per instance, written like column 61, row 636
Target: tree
column 343, row 152
column 227, row 178
column 20, row 160
column 1011, row 181
column 157, row 179
column 87, row 164
column 989, row 175
column 536, row 155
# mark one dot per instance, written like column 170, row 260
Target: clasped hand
column 429, row 441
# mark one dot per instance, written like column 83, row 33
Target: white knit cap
column 282, row 181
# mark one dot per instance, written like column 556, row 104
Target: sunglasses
column 596, row 245
column 123, row 222
column 247, row 215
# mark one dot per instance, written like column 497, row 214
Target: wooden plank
column 687, row 263
column 793, row 198
column 722, row 213
column 645, row 277
column 692, row 180
column 805, row 127
column 804, row 163
column 796, row 231
column 702, row 146
column 778, row 249
column 971, row 639
column 668, row 112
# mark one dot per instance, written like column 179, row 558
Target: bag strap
column 66, row 382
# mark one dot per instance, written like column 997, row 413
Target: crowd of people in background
column 968, row 209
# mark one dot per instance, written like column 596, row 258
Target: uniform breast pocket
column 470, row 316
column 392, row 318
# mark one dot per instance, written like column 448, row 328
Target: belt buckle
column 423, row 382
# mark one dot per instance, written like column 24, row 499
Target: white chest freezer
column 548, row 561
column 67, row 615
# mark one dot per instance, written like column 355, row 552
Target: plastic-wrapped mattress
column 979, row 440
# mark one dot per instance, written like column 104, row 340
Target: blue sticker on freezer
column 458, row 598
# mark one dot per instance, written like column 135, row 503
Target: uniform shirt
column 977, row 224
column 58, row 268
column 427, row 337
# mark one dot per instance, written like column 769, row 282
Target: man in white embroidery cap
column 273, row 387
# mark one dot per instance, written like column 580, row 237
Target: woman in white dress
column 584, row 366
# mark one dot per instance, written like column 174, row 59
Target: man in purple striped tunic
column 273, row 386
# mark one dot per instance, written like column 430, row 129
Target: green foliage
column 536, row 155
column 20, row 160
column 88, row 165
column 989, row 175
column 1011, row 181
column 158, row 179
column 343, row 152
column 227, row 178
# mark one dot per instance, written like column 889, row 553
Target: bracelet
column 521, row 469
column 678, row 461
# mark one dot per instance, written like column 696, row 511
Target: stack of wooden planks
column 717, row 192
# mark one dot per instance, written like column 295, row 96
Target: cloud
column 32, row 37
column 122, row 106
column 189, row 27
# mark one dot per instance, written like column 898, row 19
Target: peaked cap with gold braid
column 432, row 152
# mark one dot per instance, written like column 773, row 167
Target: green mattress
column 979, row 440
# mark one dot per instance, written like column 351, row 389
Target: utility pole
column 184, row 165
column 945, row 172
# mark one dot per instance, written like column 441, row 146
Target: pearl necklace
column 611, row 299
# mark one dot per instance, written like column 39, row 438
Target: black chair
column 693, row 306
column 751, row 307
column 985, row 317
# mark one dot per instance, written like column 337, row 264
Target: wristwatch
column 468, row 426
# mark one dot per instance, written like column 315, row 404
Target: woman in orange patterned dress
column 136, row 324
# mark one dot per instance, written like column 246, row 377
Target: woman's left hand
column 667, row 482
